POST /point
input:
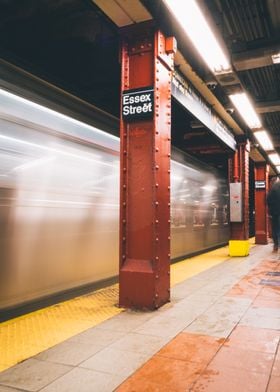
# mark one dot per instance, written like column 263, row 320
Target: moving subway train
column 59, row 203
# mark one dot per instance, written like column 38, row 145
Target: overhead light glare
column 278, row 168
column 264, row 140
column 275, row 159
column 246, row 110
column 276, row 58
column 190, row 17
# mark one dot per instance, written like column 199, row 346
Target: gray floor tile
column 186, row 288
column 69, row 352
column 181, row 291
column 161, row 326
column 268, row 323
column 140, row 343
column 215, row 289
column 187, row 314
column 84, row 380
column 8, row 389
column 126, row 322
column 213, row 327
column 32, row 374
column 235, row 302
column 98, row 336
column 228, row 308
column 197, row 304
column 112, row 361
column 263, row 312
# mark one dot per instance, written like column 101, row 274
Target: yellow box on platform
column 239, row 248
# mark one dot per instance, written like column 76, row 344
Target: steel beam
column 261, row 186
column 268, row 106
column 147, row 62
column 254, row 58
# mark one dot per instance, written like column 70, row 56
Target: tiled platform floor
column 28, row 335
column 220, row 333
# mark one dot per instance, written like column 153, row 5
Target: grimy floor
column 220, row 332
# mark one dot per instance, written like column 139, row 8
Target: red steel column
column 261, row 187
column 270, row 182
column 146, row 63
column 239, row 172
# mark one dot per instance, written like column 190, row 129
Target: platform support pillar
column 270, row 183
column 261, row 188
column 239, row 173
column 147, row 58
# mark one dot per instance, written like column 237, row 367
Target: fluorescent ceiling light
column 276, row 58
column 246, row 110
column 190, row 17
column 264, row 140
column 275, row 159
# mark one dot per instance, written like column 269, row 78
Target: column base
column 239, row 248
column 261, row 238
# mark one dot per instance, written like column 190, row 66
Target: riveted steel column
column 261, row 187
column 270, row 183
column 147, row 63
column 239, row 172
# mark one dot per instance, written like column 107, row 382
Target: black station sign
column 138, row 104
column 259, row 184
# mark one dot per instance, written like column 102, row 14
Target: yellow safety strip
column 193, row 266
column 189, row 267
column 28, row 335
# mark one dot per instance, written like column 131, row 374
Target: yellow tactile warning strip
column 25, row 336
column 189, row 267
column 28, row 335
column 193, row 266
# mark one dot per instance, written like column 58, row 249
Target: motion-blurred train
column 59, row 203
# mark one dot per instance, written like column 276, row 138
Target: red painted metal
column 270, row 182
column 235, row 167
column 261, row 218
column 145, row 172
column 240, row 172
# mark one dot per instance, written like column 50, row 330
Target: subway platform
column 220, row 332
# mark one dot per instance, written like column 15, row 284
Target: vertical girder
column 261, row 186
column 147, row 62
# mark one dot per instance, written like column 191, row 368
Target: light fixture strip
column 264, row 140
column 192, row 20
column 276, row 58
column 246, row 109
column 274, row 158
